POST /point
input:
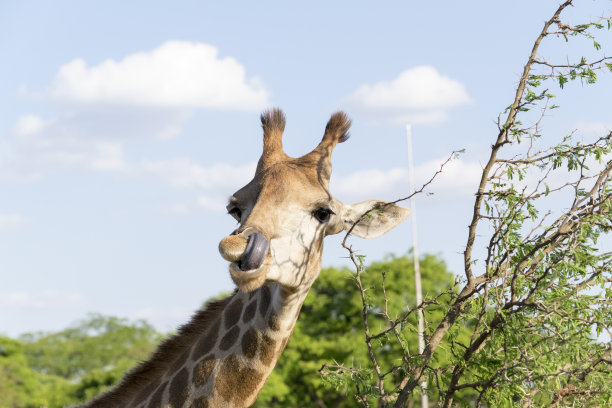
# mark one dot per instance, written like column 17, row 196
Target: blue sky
column 126, row 125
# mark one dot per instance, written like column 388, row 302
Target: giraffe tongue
column 255, row 252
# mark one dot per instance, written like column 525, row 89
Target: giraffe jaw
column 247, row 281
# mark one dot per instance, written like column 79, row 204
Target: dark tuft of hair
column 273, row 120
column 339, row 124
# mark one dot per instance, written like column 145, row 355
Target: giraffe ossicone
column 224, row 355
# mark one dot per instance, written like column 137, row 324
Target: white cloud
column 29, row 124
column 184, row 173
column 146, row 95
column 218, row 181
column 458, row 179
column 372, row 181
column 594, row 128
column 40, row 145
column 108, row 157
column 95, row 156
column 84, row 139
column 11, row 220
column 418, row 95
column 215, row 203
column 177, row 74
column 536, row 178
column 39, row 300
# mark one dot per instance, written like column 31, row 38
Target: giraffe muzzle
column 256, row 250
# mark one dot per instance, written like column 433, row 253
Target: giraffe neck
column 255, row 330
column 223, row 361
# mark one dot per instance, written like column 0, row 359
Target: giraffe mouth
column 236, row 271
column 254, row 253
column 247, row 254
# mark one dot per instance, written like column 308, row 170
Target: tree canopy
column 329, row 331
column 72, row 365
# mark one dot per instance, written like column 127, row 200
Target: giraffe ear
column 373, row 218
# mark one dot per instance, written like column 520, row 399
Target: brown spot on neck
column 233, row 312
column 201, row 402
column 208, row 341
column 179, row 390
column 157, row 397
column 274, row 322
column 230, row 338
column 249, row 312
column 267, row 350
column 265, row 300
column 146, row 391
column 180, row 362
column 250, row 342
column 203, row 369
column 240, row 382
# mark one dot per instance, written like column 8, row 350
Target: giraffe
column 224, row 355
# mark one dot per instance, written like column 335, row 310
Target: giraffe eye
column 322, row 214
column 236, row 213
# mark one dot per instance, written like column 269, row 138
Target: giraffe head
column 287, row 210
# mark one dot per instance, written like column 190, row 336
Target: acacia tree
column 70, row 366
column 537, row 307
column 329, row 329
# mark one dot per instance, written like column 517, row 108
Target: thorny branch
column 358, row 264
column 528, row 257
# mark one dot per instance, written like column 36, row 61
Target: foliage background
column 72, row 365
column 60, row 368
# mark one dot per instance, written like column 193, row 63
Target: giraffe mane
column 164, row 355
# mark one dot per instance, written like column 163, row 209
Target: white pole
column 417, row 266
